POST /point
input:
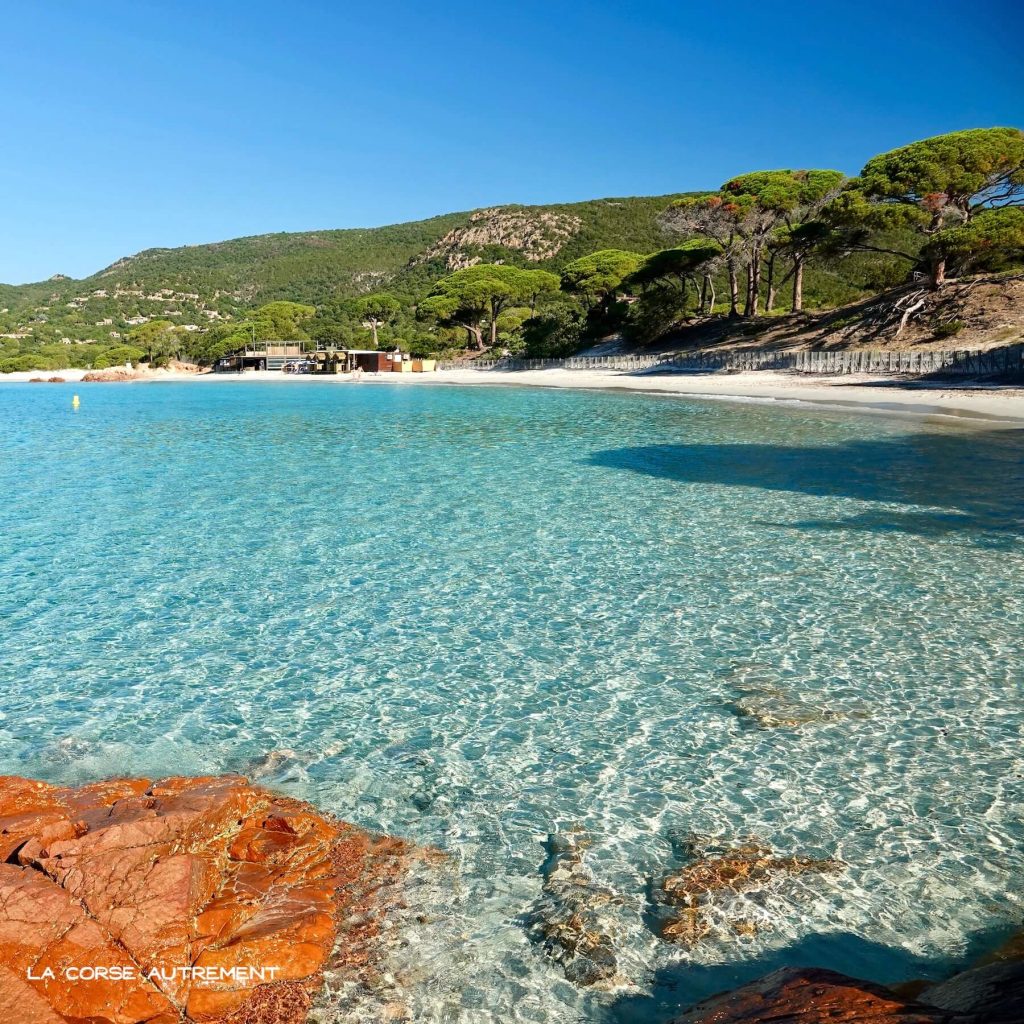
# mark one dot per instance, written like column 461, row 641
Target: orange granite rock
column 813, row 996
column 181, row 900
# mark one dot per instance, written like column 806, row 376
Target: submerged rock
column 773, row 713
column 796, row 995
column 772, row 709
column 271, row 763
column 568, row 921
column 687, row 898
column 283, row 763
column 181, row 900
column 1011, row 949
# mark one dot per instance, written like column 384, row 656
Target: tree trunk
column 755, row 282
column 798, row 284
column 495, row 310
column 748, row 299
column 769, row 303
column 734, row 289
column 708, row 292
column 939, row 273
column 373, row 327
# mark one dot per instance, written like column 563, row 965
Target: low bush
column 949, row 329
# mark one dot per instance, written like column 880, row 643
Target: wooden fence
column 916, row 363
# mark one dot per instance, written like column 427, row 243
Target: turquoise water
column 474, row 616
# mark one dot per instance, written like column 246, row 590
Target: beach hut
column 369, row 360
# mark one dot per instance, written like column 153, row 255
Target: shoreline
column 976, row 404
column 979, row 405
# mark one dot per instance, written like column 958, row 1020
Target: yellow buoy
column 75, row 402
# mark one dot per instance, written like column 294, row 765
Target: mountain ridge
column 313, row 233
column 195, row 285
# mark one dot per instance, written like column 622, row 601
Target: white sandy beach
column 987, row 404
column 853, row 391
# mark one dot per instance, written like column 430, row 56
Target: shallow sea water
column 474, row 616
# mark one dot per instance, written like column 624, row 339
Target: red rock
column 43, row 933
column 992, row 994
column 114, row 373
column 812, row 996
column 203, row 899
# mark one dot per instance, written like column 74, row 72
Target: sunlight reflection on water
column 475, row 616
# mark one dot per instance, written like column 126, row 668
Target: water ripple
column 478, row 616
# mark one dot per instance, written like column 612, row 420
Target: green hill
column 200, row 285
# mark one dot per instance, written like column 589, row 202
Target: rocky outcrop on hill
column 537, row 235
column 181, row 900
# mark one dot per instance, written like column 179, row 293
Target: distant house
column 264, row 355
column 136, row 320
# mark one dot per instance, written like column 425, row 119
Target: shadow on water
column 950, row 482
column 679, row 986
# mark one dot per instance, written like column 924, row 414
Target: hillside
column 201, row 284
column 783, row 258
column 982, row 312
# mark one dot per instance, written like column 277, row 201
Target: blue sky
column 131, row 125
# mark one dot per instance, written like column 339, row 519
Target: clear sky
column 139, row 124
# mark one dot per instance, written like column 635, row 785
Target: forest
column 548, row 281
